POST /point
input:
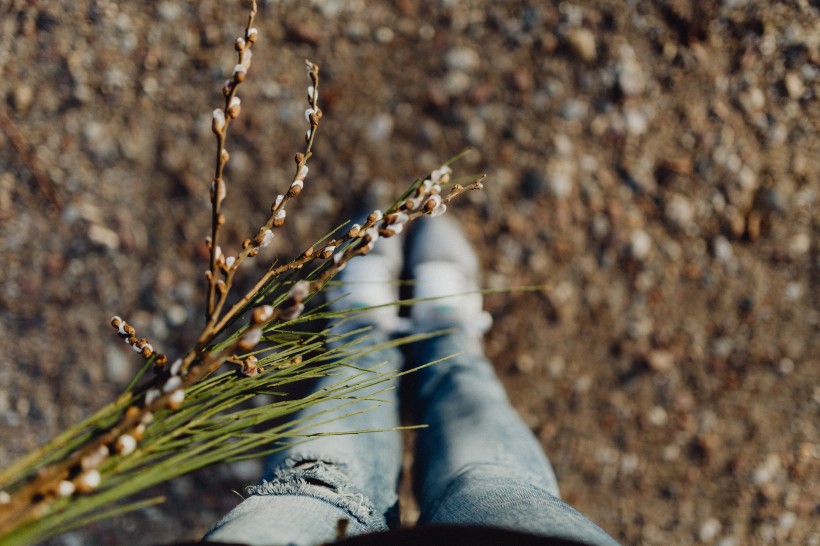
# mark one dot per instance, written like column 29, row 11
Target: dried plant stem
column 230, row 112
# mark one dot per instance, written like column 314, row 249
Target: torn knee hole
column 320, row 483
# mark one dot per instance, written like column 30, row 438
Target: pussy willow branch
column 276, row 219
column 243, row 52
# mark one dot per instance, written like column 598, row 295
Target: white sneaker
column 446, row 270
column 371, row 281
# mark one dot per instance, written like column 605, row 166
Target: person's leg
column 477, row 462
column 309, row 487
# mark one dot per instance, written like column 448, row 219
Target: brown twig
column 221, row 122
column 220, row 288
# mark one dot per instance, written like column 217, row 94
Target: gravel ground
column 655, row 165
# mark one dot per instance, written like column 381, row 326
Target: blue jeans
column 477, row 463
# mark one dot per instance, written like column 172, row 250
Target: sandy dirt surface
column 655, row 164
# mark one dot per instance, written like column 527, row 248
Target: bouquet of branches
column 179, row 414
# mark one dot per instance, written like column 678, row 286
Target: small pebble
column 462, row 58
column 380, row 127
column 22, row 97
column 456, row 82
column 709, row 530
column 104, row 237
column 679, row 211
column 799, row 244
column 794, row 85
column 556, row 366
column 640, row 244
column 767, row 471
column 583, row 44
column 722, row 249
column 787, row 520
column 661, row 361
column 658, row 416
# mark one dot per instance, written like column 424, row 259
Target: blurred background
column 655, row 165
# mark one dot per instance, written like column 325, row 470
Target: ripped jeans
column 476, row 462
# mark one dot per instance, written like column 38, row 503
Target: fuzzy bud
column 161, row 360
column 440, row 209
column 265, row 238
column 218, row 184
column 234, row 107
column 94, row 459
column 327, row 252
column 239, row 44
column 65, row 488
column 229, row 261
column 371, row 235
column 174, row 382
column 278, row 201
column 250, row 339
column 292, row 312
column 218, row 124
column 139, row 432
column 245, row 58
column 279, row 219
column 375, row 216
column 262, row 314
column 397, row 218
column 88, row 481
column 227, row 88
column 147, row 351
column 354, row 231
column 176, row 367
column 116, row 321
column 252, row 35
column 126, row 444
column 393, row 229
column 239, row 72
column 249, row 366
column 176, row 399
column 151, row 396
column 432, row 203
column 299, row 291
column 296, row 188
column 441, row 175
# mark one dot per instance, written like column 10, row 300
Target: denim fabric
column 310, row 486
column 477, row 463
